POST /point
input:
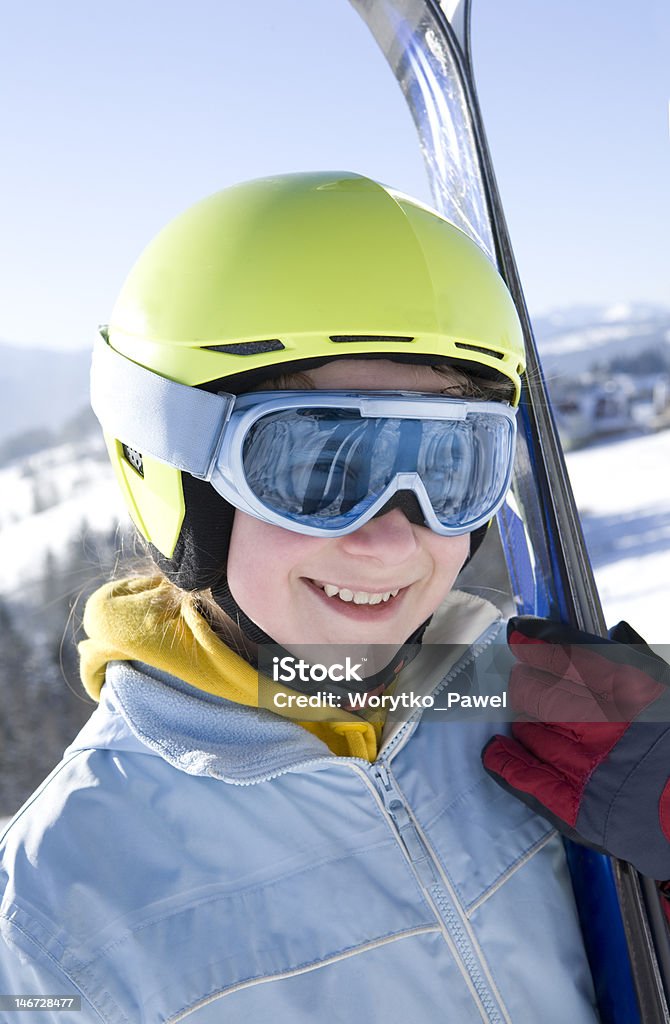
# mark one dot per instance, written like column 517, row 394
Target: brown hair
column 462, row 384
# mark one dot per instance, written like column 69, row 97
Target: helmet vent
column 349, row 338
column 247, row 348
column 134, row 458
column 480, row 348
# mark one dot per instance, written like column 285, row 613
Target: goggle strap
column 170, row 422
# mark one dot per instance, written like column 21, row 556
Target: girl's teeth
column 358, row 596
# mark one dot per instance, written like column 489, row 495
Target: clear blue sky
column 115, row 117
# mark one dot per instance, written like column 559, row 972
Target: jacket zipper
column 403, row 734
column 428, row 875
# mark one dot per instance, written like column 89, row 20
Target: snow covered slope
column 45, row 501
column 622, row 490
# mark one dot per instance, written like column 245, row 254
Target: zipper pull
column 407, row 831
column 382, row 776
column 391, row 797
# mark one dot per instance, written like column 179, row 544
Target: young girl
column 307, row 389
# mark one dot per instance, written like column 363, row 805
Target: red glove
column 591, row 751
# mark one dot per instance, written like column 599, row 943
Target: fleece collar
column 136, row 620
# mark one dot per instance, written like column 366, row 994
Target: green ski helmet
column 270, row 275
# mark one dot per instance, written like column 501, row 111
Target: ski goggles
column 321, row 463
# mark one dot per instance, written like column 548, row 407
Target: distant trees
column 42, row 700
column 640, row 364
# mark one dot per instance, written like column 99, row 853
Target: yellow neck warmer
column 137, row 620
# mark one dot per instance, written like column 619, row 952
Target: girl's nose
column 389, row 538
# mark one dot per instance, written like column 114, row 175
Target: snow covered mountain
column 575, row 340
column 50, row 499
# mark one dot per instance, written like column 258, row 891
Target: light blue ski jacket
column 194, row 860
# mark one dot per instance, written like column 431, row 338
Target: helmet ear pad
column 200, row 557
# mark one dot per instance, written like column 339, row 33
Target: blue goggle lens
column 325, row 467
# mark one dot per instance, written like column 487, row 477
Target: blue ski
column 427, row 45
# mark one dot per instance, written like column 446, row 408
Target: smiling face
column 284, row 580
